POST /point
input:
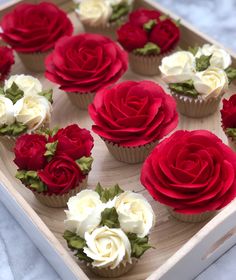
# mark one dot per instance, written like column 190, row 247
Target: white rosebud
column 211, row 82
column 135, row 213
column 33, row 111
column 94, row 12
column 178, row 67
column 6, row 111
column 84, row 213
column 108, row 247
column 206, row 50
column 27, row 83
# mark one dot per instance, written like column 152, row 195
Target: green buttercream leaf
column 148, row 26
column 51, row 149
column 231, row 73
column 193, row 50
column 82, row 256
column 186, row 88
column 14, row 129
column 177, row 22
column 231, row 132
column 107, row 194
column 203, row 62
column 138, row 245
column 47, row 131
column 110, row 218
column 31, row 180
column 148, row 49
column 119, row 11
column 2, row 91
column 85, row 164
column 47, row 94
column 164, row 17
column 14, row 93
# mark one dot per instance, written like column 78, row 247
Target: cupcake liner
column 34, row 61
column 130, row 154
column 192, row 218
column 57, row 201
column 196, row 107
column 81, row 100
column 8, row 142
column 146, row 65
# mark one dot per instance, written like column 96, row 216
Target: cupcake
column 54, row 164
column 198, row 79
column 192, row 173
column 228, row 119
column 131, row 117
column 6, row 62
column 103, row 16
column 108, row 229
column 147, row 37
column 83, row 64
column 32, row 31
column 24, row 107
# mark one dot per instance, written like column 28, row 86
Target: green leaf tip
column 51, row 149
column 119, row 11
column 107, row 194
column 85, row 164
column 31, row 180
column 186, row 88
column 47, row 94
column 148, row 26
column 110, row 218
column 148, row 49
column 202, row 62
column 14, row 93
column 14, row 129
column 138, row 245
column 231, row 74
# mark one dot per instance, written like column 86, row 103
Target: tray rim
column 59, row 258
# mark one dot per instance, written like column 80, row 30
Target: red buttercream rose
column 228, row 112
column 29, row 152
column 191, row 172
column 60, row 175
column 35, row 28
column 6, row 61
column 85, row 63
column 165, row 34
column 74, row 141
column 142, row 16
column 131, row 37
column 133, row 113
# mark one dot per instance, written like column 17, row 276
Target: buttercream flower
column 108, row 247
column 228, row 112
column 84, row 213
column 6, row 111
column 6, row 62
column 191, row 172
column 27, row 83
column 178, row 67
column 135, row 213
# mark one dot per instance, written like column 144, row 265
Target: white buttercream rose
column 135, row 213
column 108, row 247
column 6, row 111
column 118, row 2
column 33, row 111
column 211, row 82
column 178, row 67
column 84, row 213
column 94, row 12
column 27, row 83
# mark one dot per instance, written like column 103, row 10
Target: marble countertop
column 21, row 260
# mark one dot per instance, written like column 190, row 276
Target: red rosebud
column 133, row 113
column 85, row 63
column 228, row 112
column 191, row 172
column 29, row 152
column 35, row 27
column 6, row 61
column 141, row 16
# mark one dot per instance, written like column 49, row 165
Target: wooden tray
column 177, row 244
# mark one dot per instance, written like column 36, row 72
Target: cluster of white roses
column 31, row 109
column 182, row 66
column 106, row 246
column 98, row 12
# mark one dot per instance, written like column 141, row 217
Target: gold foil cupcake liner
column 196, row 107
column 130, row 154
column 192, row 218
column 81, row 100
column 57, row 201
column 34, row 61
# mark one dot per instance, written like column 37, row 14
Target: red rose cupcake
column 193, row 173
column 131, row 117
column 228, row 119
column 85, row 63
column 54, row 165
column 32, row 31
column 6, row 62
column 148, row 36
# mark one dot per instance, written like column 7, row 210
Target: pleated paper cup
column 34, row 61
column 196, row 107
column 81, row 100
column 57, row 201
column 130, row 154
column 8, row 142
column 193, row 218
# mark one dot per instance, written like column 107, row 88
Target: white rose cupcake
column 198, row 79
column 24, row 107
column 103, row 16
column 108, row 229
